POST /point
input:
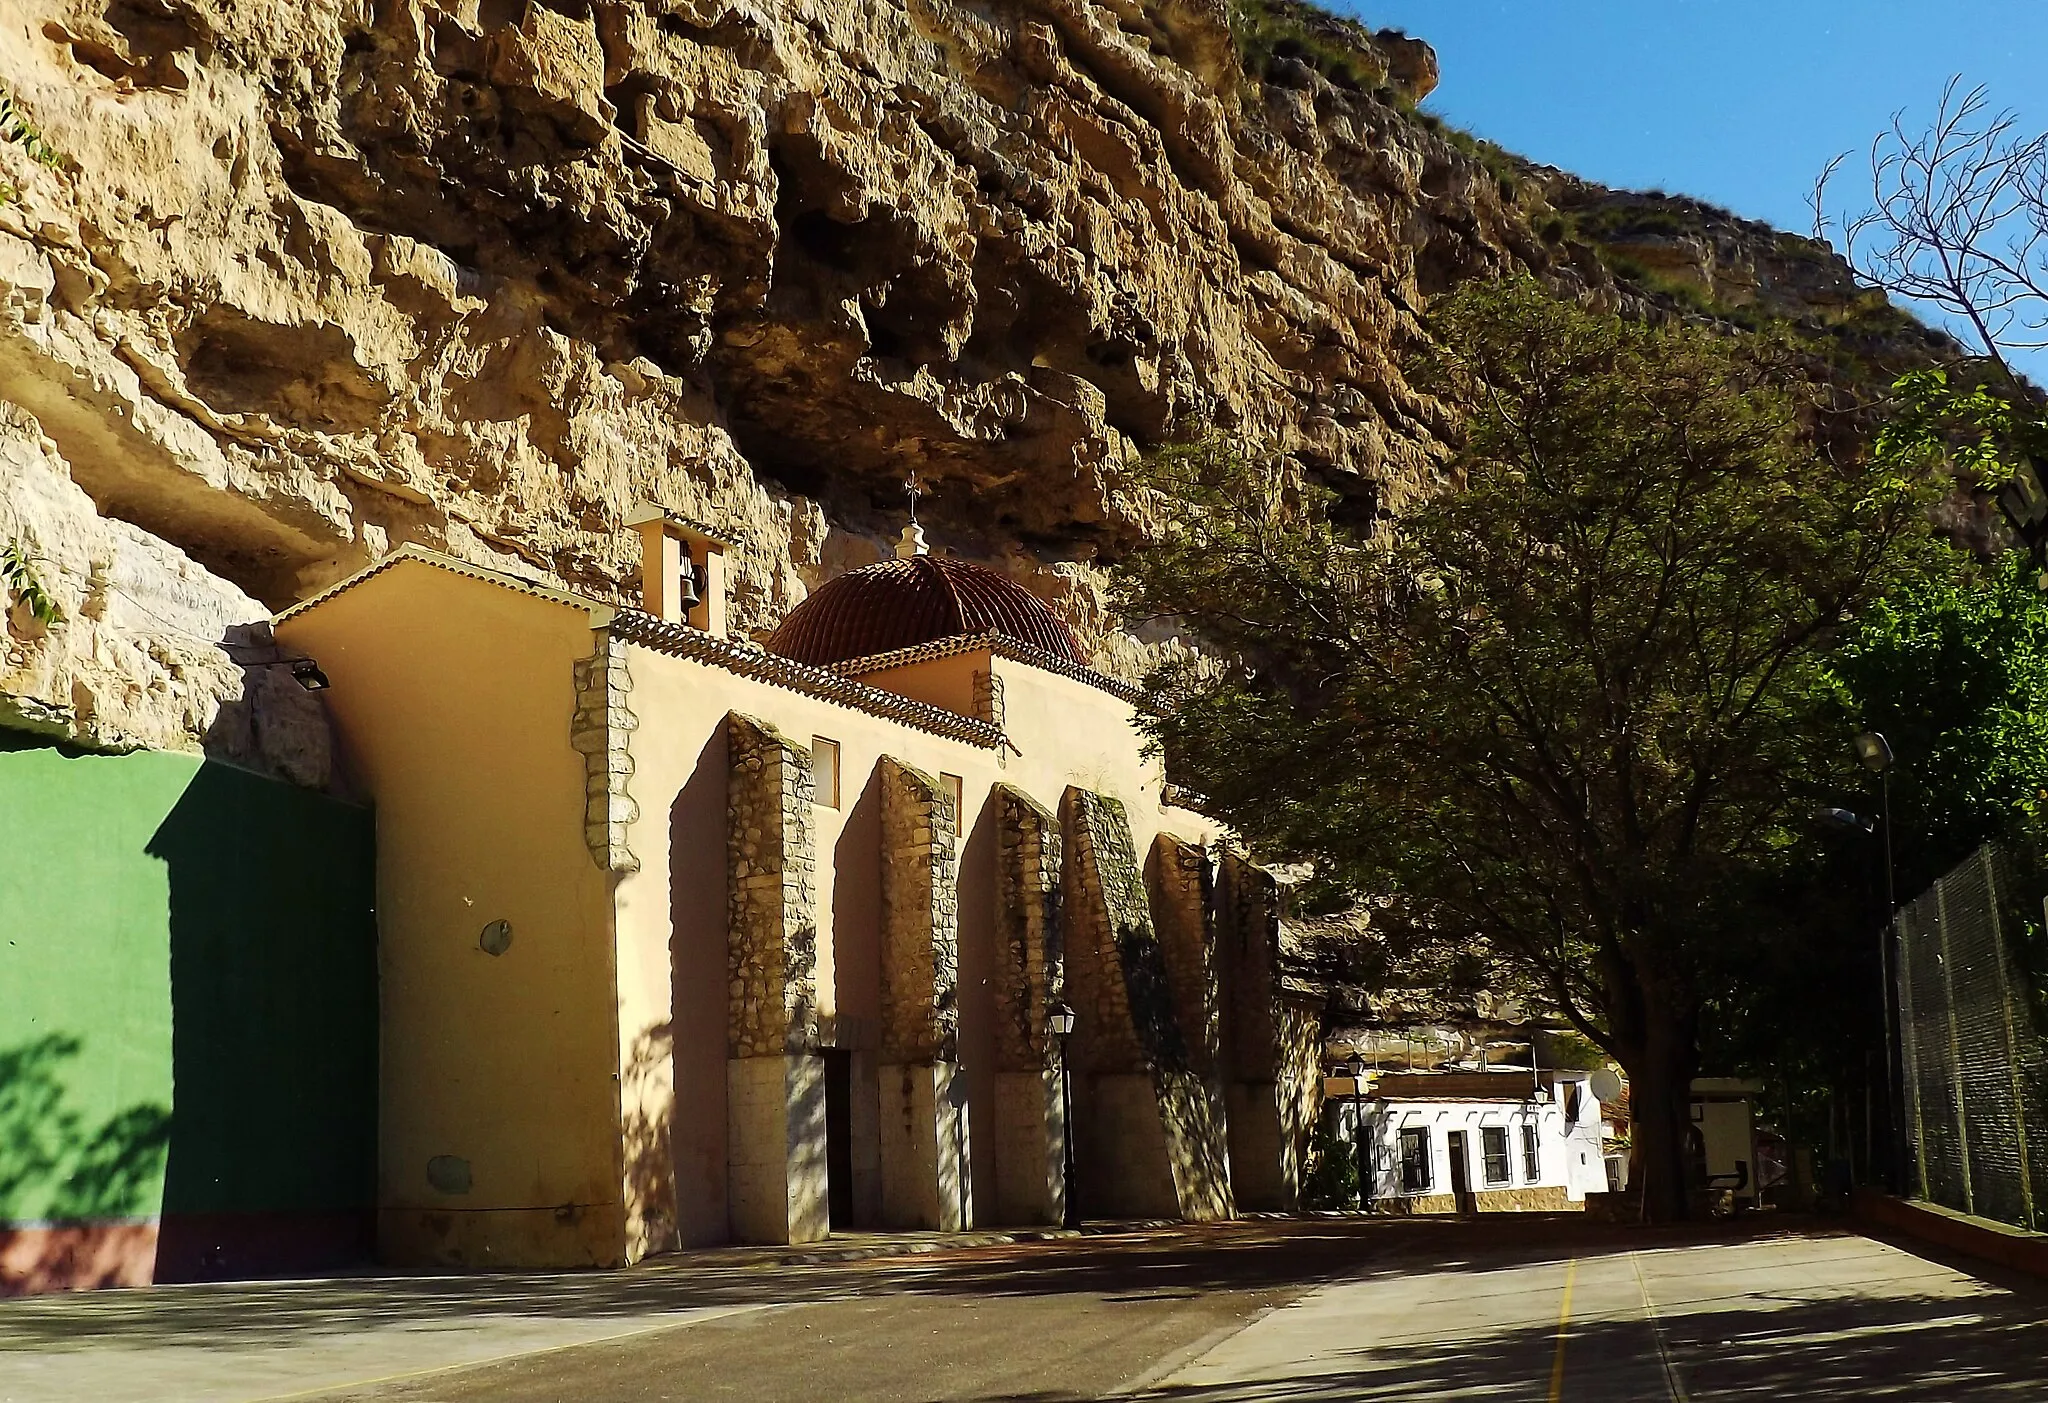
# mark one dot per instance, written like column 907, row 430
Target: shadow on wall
column 649, row 1133
column 272, row 1149
column 91, row 1172
column 84, row 1195
column 188, row 1000
column 697, row 1000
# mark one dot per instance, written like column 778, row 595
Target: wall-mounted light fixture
column 305, row 671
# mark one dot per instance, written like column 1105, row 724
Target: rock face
column 315, row 278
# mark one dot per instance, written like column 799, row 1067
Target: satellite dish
column 1604, row 1085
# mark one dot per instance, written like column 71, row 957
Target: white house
column 1445, row 1142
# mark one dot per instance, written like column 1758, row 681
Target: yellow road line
column 1564, row 1321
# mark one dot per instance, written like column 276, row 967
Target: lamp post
column 1876, row 754
column 1356, row 1068
column 1059, row 1021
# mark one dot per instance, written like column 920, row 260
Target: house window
column 825, row 771
column 1571, row 1103
column 1493, row 1153
column 956, row 790
column 1532, row 1161
column 1415, row 1166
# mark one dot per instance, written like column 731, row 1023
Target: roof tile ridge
column 750, row 659
column 938, row 572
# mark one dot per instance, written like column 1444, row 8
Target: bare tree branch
column 1956, row 220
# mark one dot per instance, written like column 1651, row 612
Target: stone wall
column 1267, row 1139
column 1551, row 1198
column 926, row 1153
column 988, row 697
column 1030, row 1111
column 920, row 917
column 1118, row 982
column 777, row 1188
column 777, row 1177
column 773, row 922
column 1030, row 976
column 1179, row 878
column 1298, row 1087
column 603, row 725
column 1249, row 909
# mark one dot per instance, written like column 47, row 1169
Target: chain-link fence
column 1972, row 1046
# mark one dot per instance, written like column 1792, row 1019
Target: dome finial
column 912, row 543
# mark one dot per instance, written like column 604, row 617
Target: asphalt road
column 1543, row 1309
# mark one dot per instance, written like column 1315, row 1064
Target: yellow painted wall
column 941, row 682
column 453, row 698
column 675, row 990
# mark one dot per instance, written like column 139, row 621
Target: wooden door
column 1461, row 1173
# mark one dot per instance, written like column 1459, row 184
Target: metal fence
column 1971, row 1044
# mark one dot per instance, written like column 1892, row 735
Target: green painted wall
column 188, row 991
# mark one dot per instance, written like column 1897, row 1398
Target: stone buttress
column 1180, row 876
column 925, row 1152
column 775, row 1085
column 1030, row 1115
column 1271, row 1064
column 1148, row 1144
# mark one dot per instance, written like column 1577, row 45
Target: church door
column 839, row 1137
column 1461, row 1173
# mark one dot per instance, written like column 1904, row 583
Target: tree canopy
column 1554, row 722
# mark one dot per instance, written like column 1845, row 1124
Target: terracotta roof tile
column 897, row 604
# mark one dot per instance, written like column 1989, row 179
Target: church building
column 887, row 923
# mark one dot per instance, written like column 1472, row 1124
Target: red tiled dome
column 902, row 603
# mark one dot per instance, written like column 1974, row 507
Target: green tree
column 18, row 576
column 1555, row 722
column 1953, row 668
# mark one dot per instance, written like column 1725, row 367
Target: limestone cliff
column 314, row 278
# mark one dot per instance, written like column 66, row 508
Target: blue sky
column 1735, row 101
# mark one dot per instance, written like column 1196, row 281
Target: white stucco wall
column 1568, row 1154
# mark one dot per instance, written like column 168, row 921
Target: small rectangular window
column 1416, row 1172
column 1493, row 1153
column 1532, row 1161
column 1571, row 1103
column 825, row 771
column 956, row 790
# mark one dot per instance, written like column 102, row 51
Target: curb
column 1998, row 1243
column 825, row 1253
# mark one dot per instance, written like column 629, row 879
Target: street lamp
column 1356, row 1068
column 1059, row 1021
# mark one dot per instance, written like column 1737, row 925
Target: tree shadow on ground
column 1919, row 1347
column 1237, row 1256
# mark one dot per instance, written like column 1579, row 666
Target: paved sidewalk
column 234, row 1342
column 1535, row 1307
column 1806, row 1317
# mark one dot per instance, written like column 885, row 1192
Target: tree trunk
column 1660, row 1076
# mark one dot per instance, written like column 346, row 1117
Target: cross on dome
column 912, row 543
